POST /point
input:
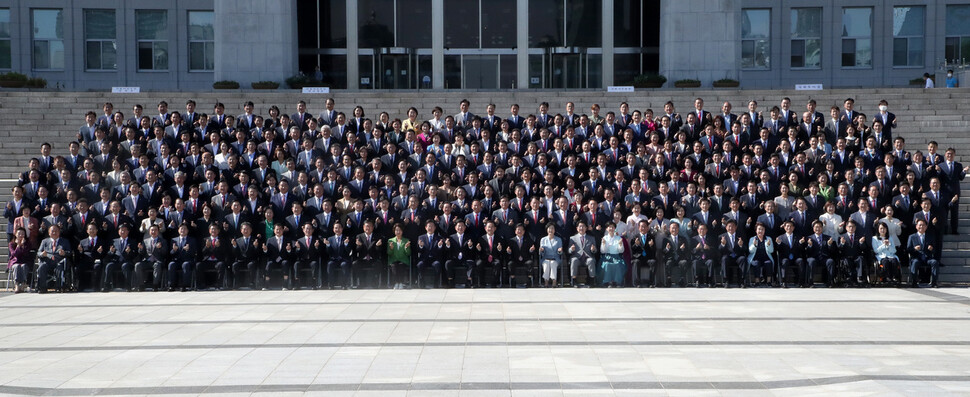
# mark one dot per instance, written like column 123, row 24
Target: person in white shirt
column 884, row 248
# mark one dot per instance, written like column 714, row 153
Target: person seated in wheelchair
column 854, row 249
column 886, row 264
column 54, row 255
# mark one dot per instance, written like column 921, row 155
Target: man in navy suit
column 817, row 252
column 430, row 253
column 921, row 247
column 183, row 254
column 951, row 173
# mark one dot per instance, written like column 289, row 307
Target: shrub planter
column 265, row 85
column 13, row 80
column 36, row 82
column 687, row 83
column 649, row 81
column 726, row 83
column 226, row 85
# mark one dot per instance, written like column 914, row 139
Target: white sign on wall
column 808, row 87
column 316, row 90
column 125, row 90
column 619, row 88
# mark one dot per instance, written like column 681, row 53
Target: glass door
column 480, row 71
column 567, row 67
column 395, row 70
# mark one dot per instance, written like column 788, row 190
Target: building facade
column 481, row 44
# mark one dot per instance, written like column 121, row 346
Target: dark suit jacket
column 430, row 251
column 185, row 252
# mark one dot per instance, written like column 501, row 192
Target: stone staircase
column 923, row 115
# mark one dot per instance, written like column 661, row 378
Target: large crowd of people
column 173, row 200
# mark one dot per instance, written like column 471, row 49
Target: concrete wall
column 75, row 76
column 255, row 40
column 700, row 40
column 882, row 72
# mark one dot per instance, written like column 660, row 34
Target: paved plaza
column 536, row 342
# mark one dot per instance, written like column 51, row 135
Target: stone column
column 353, row 60
column 249, row 49
column 522, row 45
column 437, row 44
column 608, row 43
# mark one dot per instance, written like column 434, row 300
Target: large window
column 480, row 24
column 394, row 23
column 957, row 33
column 857, row 37
column 5, row 50
column 100, row 47
column 48, row 38
column 202, row 45
column 565, row 23
column 908, row 36
column 332, row 23
column 806, row 38
column 151, row 31
column 636, row 43
column 755, row 47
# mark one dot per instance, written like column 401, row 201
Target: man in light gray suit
column 582, row 251
column 464, row 118
column 54, row 255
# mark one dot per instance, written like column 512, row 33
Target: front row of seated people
column 654, row 255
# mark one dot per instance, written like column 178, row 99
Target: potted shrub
column 298, row 81
column 13, row 80
column 726, row 83
column 36, row 82
column 225, row 85
column 649, row 81
column 265, row 85
column 687, row 83
column 918, row 82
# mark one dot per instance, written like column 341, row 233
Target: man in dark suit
column 183, row 254
column 278, row 254
column 123, row 254
column 818, row 250
column 461, row 253
column 676, row 252
column 368, row 253
column 431, row 250
column 339, row 252
column 215, row 256
column 790, row 250
column 921, row 247
column 705, row 254
column 309, row 252
column 951, row 173
column 733, row 254
column 91, row 258
column 490, row 257
column 246, row 251
column 301, row 116
column 521, row 255
column 853, row 249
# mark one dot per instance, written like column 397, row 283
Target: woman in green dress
column 399, row 255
